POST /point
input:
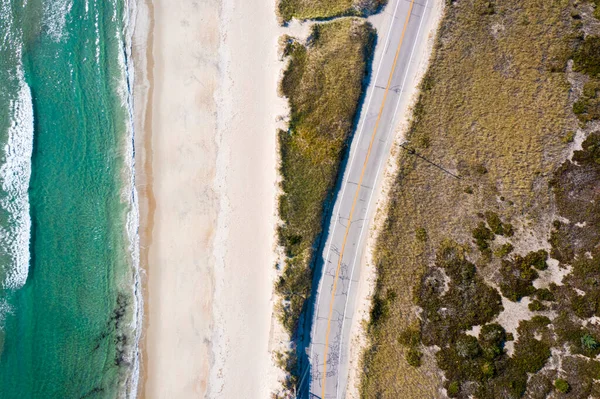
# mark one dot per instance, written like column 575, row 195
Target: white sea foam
column 15, row 173
column 55, row 17
column 133, row 216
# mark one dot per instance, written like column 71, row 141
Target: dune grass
column 495, row 108
column 322, row 9
column 323, row 82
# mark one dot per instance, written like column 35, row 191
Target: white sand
column 206, row 156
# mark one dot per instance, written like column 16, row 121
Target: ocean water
column 68, row 221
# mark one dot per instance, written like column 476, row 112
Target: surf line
column 362, row 174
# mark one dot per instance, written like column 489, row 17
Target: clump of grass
column 323, row 83
column 321, row 9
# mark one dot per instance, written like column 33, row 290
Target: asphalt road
column 400, row 41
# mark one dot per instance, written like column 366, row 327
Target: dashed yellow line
column 362, row 174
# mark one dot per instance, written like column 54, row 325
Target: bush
column 491, row 339
column 561, row 385
column 494, row 222
column 537, row 259
column 588, row 342
column 413, row 357
column 453, row 389
column 544, row 294
column 421, row 234
column 504, row 250
column 536, row 306
column 482, row 235
column 410, row 337
column 517, row 278
column 587, row 57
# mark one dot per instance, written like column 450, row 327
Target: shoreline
column 143, row 64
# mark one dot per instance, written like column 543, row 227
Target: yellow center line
column 362, row 174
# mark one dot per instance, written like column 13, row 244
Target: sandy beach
column 206, row 106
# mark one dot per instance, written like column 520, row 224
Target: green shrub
column 516, row 278
column 530, row 354
column 410, row 337
column 561, row 385
column 482, row 236
column 494, row 222
column 421, row 234
column 491, row 339
column 537, row 259
column 536, row 306
column 569, row 137
column 413, row 357
column 467, row 347
column 587, row 57
column 588, row 342
column 579, row 107
column 453, row 389
column 544, row 294
column 504, row 250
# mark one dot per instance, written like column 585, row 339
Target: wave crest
column 15, row 174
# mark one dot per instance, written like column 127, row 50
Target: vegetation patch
column 323, row 82
column 520, row 204
column 321, row 9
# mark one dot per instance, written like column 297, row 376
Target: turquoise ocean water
column 68, row 220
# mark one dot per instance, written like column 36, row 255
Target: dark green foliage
column 544, row 294
column 467, row 347
column 561, row 385
column 517, row 278
column 453, row 389
column 492, row 338
column 482, row 236
column 413, row 357
column 421, row 234
column 536, row 306
column 467, row 302
column 504, row 250
column 381, row 307
column 493, row 220
column 587, row 108
column 530, row 355
column 587, row 57
column 410, row 337
column 588, row 342
column 537, row 259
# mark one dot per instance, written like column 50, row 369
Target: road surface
column 401, row 42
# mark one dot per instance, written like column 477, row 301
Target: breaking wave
column 55, row 17
column 15, row 173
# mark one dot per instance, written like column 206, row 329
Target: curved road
column 392, row 83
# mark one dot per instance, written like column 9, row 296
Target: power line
column 412, row 151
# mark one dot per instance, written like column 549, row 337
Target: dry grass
column 494, row 109
column 323, row 83
column 321, row 9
